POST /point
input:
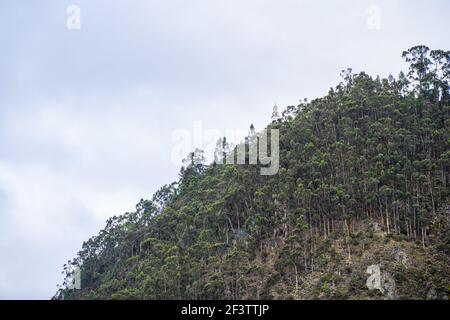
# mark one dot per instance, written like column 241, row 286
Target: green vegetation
column 364, row 179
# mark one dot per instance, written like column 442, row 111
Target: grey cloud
column 86, row 116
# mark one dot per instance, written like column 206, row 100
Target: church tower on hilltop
column 275, row 114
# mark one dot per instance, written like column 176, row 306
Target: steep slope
column 363, row 185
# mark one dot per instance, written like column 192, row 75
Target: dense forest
column 363, row 180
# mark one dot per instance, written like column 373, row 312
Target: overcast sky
column 88, row 116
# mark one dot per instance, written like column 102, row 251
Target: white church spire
column 275, row 114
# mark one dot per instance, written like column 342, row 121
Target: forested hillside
column 363, row 180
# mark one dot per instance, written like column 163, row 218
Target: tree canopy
column 372, row 150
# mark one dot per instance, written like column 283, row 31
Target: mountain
column 358, row 208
